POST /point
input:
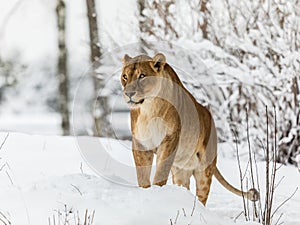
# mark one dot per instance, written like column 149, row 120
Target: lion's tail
column 252, row 194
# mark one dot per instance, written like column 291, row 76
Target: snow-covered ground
column 41, row 175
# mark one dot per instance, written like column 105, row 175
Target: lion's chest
column 150, row 131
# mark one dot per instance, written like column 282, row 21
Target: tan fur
column 167, row 120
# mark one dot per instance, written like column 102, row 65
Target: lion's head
column 140, row 78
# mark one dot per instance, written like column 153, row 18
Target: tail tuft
column 252, row 195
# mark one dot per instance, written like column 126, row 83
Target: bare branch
column 235, row 219
column 249, row 150
column 241, row 174
column 285, row 201
column 278, row 220
column 255, row 215
column 273, row 175
column 266, row 210
column 258, row 189
column 279, row 182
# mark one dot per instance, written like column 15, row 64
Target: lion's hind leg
column 203, row 177
column 181, row 177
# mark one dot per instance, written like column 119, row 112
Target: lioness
column 167, row 120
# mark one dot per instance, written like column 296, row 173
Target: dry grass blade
column 183, row 210
column 3, row 142
column 70, row 217
column 85, row 217
column 4, row 219
column 77, row 189
column 93, row 215
column 176, row 217
column 9, row 177
column 1, row 168
column 194, row 206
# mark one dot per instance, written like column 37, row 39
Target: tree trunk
column 295, row 91
column 204, row 24
column 102, row 109
column 62, row 71
column 142, row 20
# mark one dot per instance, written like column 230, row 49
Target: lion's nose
column 130, row 93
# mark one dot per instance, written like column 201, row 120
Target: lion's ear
column 158, row 62
column 126, row 58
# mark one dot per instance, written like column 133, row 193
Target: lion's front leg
column 165, row 157
column 143, row 161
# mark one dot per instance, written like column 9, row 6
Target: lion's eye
column 142, row 76
column 125, row 77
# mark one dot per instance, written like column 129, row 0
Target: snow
column 41, row 175
column 48, row 123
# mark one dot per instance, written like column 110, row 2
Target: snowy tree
column 264, row 37
column 163, row 20
column 9, row 71
column 252, row 53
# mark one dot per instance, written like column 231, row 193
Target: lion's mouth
column 135, row 103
